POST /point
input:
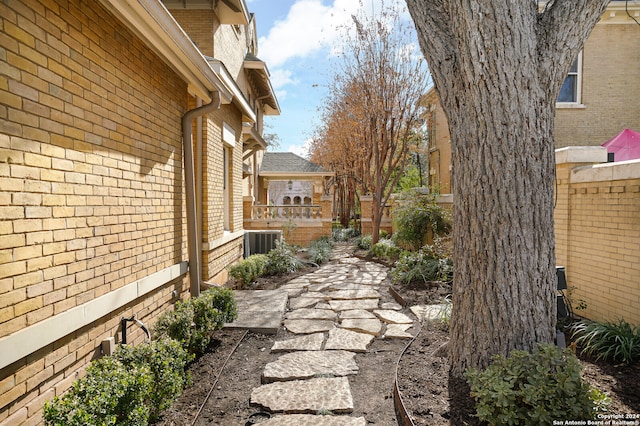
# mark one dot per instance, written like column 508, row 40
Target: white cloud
column 309, row 27
column 281, row 77
column 301, row 150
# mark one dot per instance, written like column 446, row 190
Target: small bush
column 531, row 388
column 414, row 215
column 192, row 322
column 282, row 260
column 364, row 242
column 609, row 341
column 386, row 249
column 421, row 266
column 344, row 234
column 247, row 270
column 167, row 362
column 320, row 250
column 111, row 393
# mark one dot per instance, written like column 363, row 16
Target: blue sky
column 296, row 39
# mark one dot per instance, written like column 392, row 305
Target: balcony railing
column 286, row 212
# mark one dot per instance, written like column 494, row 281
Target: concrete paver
column 308, row 342
column 312, row 420
column 308, row 364
column 305, row 396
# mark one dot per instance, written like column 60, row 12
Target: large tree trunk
column 498, row 67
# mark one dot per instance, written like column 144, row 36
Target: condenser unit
column 260, row 241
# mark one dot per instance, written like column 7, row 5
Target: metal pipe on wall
column 194, row 239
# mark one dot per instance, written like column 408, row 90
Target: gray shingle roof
column 288, row 162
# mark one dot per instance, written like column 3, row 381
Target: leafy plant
column 609, row 341
column 386, row 249
column 414, row 215
column 344, row 234
column 167, row 362
column 364, row 242
column 247, row 270
column 282, row 259
column 111, row 393
column 531, row 388
column 192, row 322
column 320, row 250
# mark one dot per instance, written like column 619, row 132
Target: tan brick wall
column 439, row 171
column 610, row 89
column 91, row 185
column 220, row 256
column 199, row 25
column 598, row 241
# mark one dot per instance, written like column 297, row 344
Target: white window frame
column 228, row 143
column 578, row 73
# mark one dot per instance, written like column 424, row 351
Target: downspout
column 193, row 238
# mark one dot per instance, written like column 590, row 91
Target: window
column 229, row 141
column 571, row 88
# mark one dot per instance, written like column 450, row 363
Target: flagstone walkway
column 333, row 313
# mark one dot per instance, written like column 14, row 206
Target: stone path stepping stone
column 319, row 287
column 314, row 295
column 349, row 286
column 348, row 340
column 430, row 312
column 311, row 313
column 312, row 420
column 392, row 317
column 310, row 342
column 357, row 313
column 305, row 396
column 368, row 293
column 323, row 305
column 306, row 326
column 303, row 302
column 391, row 305
column 369, row 326
column 397, row 331
column 308, row 364
column 260, row 311
column 347, row 305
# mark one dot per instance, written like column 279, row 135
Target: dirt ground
column 225, row 375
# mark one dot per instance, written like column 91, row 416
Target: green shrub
column 414, row 214
column 167, row 362
column 609, row 341
column 111, row 393
column 364, row 242
column 282, row 260
column 249, row 269
column 531, row 388
column 192, row 322
column 386, row 249
column 344, row 234
column 320, row 250
column 421, row 266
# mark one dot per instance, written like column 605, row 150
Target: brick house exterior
column 606, row 99
column 95, row 220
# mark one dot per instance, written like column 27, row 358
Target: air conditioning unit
column 260, row 241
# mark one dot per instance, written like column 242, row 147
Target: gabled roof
column 279, row 163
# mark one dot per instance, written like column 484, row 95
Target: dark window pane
column 568, row 91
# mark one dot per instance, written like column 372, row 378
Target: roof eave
column 153, row 23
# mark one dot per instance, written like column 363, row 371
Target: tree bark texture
column 498, row 66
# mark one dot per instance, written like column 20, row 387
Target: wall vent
column 260, row 241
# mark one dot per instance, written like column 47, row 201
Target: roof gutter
column 193, row 233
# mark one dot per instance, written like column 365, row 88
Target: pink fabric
column 625, row 146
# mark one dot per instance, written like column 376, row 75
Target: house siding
column 91, row 185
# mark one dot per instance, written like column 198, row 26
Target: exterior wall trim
column 41, row 334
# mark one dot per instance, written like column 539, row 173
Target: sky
column 298, row 39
